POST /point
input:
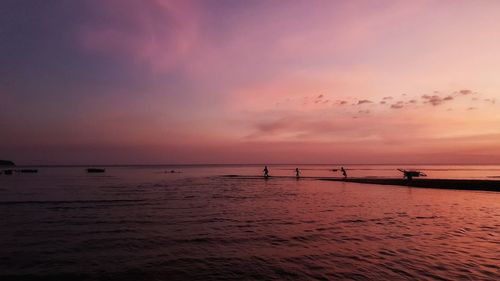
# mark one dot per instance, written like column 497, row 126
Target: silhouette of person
column 344, row 173
column 297, row 172
column 266, row 172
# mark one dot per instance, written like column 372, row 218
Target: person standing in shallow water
column 297, row 172
column 266, row 172
column 344, row 173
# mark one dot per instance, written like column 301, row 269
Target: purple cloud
column 434, row 99
column 364, row 101
column 465, row 92
column 397, row 105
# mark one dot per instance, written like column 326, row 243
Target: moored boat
column 95, row 170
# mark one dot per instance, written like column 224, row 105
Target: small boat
column 409, row 174
column 28, row 171
column 22, row 171
column 96, row 170
column 172, row 172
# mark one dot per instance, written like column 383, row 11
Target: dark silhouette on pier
column 409, row 174
column 297, row 172
column 266, row 172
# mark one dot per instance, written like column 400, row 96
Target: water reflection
column 140, row 224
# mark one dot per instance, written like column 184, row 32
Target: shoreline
column 457, row 184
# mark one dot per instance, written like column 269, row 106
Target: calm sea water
column 140, row 223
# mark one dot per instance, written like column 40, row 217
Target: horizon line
column 250, row 164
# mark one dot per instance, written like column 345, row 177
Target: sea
column 193, row 222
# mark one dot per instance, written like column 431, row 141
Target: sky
column 221, row 81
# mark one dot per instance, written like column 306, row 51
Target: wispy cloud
column 364, row 102
column 161, row 34
column 433, row 99
column 465, row 92
column 397, row 105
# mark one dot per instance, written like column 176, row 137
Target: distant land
column 6, row 163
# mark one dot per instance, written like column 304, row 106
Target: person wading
column 266, row 172
column 344, row 173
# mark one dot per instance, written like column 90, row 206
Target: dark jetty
column 96, row 170
column 6, row 163
column 461, row 184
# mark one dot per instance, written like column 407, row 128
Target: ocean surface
column 146, row 223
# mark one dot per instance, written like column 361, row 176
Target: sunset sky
column 222, row 81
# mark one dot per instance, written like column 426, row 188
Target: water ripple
column 212, row 228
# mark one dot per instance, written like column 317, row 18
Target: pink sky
column 266, row 82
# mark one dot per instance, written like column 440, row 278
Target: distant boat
column 172, row 171
column 23, row 171
column 29, row 171
column 96, row 170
